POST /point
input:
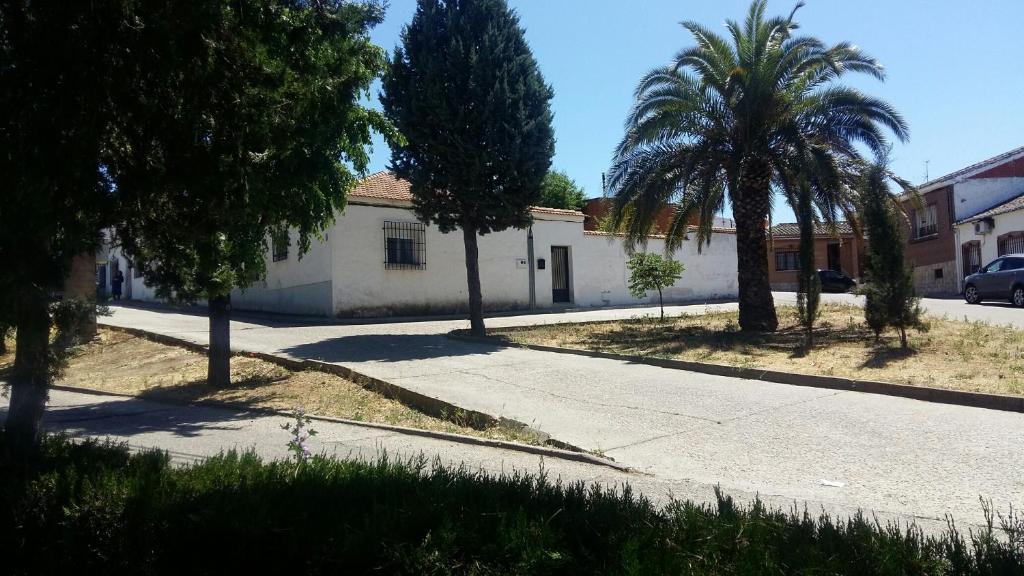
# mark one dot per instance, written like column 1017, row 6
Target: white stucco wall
column 1002, row 223
column 972, row 197
column 133, row 288
column 363, row 287
column 598, row 275
column 294, row 285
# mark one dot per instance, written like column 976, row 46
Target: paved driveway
column 844, row 449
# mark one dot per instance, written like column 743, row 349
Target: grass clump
column 91, row 508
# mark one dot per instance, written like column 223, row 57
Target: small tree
column 809, row 285
column 890, row 299
column 466, row 93
column 557, row 190
column 247, row 119
column 652, row 272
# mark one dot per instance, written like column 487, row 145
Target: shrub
column 652, row 272
column 94, row 508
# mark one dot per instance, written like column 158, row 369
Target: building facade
column 378, row 259
column 836, row 249
column 943, row 243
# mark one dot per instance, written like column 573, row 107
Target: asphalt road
column 841, row 449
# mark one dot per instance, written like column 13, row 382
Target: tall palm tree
column 736, row 120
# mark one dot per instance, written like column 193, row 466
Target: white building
column 991, row 234
column 377, row 259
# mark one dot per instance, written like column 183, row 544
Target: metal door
column 833, row 258
column 560, row 274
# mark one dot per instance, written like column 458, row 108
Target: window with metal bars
column 971, row 253
column 280, row 243
column 405, row 246
column 1011, row 243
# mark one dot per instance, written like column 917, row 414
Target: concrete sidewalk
column 192, row 433
column 843, row 448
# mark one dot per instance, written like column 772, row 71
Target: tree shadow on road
column 388, row 348
column 132, row 417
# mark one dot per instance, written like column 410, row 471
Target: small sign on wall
column 521, row 263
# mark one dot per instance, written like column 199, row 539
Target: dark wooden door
column 560, row 274
column 833, row 258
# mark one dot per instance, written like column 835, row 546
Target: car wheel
column 1018, row 297
column 971, row 294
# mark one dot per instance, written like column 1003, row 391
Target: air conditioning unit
column 983, row 226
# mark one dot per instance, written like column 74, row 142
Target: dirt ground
column 119, row 362
column 971, row 356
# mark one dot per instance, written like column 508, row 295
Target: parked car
column 1001, row 279
column 833, row 281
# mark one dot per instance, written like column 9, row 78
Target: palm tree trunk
column 30, row 378
column 218, row 369
column 750, row 210
column 476, row 301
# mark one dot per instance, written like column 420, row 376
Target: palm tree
column 736, row 121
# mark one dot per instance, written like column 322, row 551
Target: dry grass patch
column 972, row 356
column 126, row 364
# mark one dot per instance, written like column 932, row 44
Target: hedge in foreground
column 89, row 508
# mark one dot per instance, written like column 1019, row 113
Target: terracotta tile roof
column 1008, row 206
column 792, row 229
column 385, row 186
column 546, row 210
column 976, row 167
column 718, row 230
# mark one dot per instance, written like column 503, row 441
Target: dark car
column 1001, row 279
column 833, row 281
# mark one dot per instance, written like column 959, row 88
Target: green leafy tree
column 890, row 301
column 652, row 272
column 467, row 95
column 557, row 190
column 734, row 119
column 58, row 71
column 246, row 117
column 809, row 284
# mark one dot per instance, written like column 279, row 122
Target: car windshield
column 995, row 266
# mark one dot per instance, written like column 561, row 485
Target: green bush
column 89, row 508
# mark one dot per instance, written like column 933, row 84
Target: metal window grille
column 971, row 257
column 928, row 223
column 280, row 243
column 405, row 246
column 787, row 261
column 1011, row 243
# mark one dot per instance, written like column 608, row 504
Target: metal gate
column 560, row 274
column 971, row 257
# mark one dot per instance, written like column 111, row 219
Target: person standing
column 115, row 285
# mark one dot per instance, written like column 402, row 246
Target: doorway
column 560, row 291
column 833, row 258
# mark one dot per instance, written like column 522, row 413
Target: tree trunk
column 476, row 300
column 3, row 339
column 661, row 303
column 750, row 210
column 903, row 338
column 30, row 377
column 80, row 284
column 218, row 372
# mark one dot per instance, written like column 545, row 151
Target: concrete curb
column 937, row 395
column 426, row 404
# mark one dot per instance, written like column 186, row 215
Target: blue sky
column 955, row 69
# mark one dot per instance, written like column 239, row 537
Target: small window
column 281, row 242
column 938, row 273
column 405, row 246
column 785, row 261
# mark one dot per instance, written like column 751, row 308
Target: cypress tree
column 466, row 93
column 890, row 298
